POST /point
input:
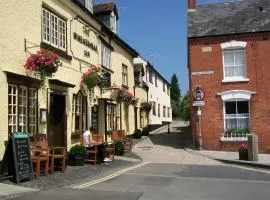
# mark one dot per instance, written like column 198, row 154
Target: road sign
column 198, row 103
column 198, row 94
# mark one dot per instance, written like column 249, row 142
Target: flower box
column 243, row 152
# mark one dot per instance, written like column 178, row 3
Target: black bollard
column 168, row 127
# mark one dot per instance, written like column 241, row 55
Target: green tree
column 175, row 95
column 185, row 107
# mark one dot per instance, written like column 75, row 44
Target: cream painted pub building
column 62, row 109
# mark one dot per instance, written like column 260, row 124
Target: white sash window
column 234, row 61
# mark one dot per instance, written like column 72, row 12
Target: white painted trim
column 236, row 94
column 233, row 44
column 238, row 79
column 233, row 139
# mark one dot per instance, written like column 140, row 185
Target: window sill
column 59, row 52
column 233, row 139
column 235, row 80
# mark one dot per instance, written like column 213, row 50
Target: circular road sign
column 198, row 94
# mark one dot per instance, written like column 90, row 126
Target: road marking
column 110, row 176
column 249, row 168
column 199, row 178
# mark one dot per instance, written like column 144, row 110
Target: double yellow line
column 109, row 177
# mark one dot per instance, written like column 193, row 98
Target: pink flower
column 49, row 62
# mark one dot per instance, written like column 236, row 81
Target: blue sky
column 158, row 31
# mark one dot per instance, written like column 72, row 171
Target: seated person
column 88, row 143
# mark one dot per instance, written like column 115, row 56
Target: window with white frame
column 53, row 30
column 150, row 76
column 168, row 112
column 113, row 23
column 164, row 111
column 106, row 56
column 142, row 116
column 159, row 110
column 234, row 60
column 111, row 117
column 236, row 118
column 22, row 109
column 154, row 107
column 124, row 75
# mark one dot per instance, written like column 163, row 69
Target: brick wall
column 258, row 71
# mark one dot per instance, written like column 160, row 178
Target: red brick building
column 229, row 59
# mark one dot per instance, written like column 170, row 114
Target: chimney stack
column 192, row 4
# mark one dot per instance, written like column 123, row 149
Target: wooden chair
column 35, row 158
column 110, row 149
column 57, row 154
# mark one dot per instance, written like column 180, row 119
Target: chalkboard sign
column 17, row 158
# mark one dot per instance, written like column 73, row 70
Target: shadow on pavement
column 179, row 137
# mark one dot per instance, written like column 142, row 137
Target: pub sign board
column 17, row 157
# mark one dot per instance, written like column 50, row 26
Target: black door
column 57, row 123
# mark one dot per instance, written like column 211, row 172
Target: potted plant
column 43, row 64
column 145, row 131
column 77, row 155
column 137, row 134
column 92, row 77
column 243, row 152
column 119, row 148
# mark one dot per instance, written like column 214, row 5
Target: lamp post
column 199, row 113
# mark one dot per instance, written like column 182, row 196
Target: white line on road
column 109, row 177
column 198, row 178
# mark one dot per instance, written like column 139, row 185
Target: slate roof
column 104, row 8
column 242, row 16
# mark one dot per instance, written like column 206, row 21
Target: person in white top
column 87, row 139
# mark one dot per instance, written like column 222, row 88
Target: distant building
column 158, row 95
column 228, row 47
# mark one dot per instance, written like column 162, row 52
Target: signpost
column 198, row 96
column 17, row 158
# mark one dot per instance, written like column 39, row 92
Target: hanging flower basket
column 146, row 106
column 43, row 64
column 92, row 77
column 124, row 96
column 134, row 101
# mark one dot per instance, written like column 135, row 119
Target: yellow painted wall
column 22, row 20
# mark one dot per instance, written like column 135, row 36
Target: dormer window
column 113, row 23
column 88, row 4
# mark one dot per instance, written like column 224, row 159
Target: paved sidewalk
column 161, row 147
column 73, row 175
column 233, row 158
column 12, row 191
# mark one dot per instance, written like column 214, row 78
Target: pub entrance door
column 57, row 120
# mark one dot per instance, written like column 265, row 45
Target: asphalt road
column 156, row 181
column 182, row 176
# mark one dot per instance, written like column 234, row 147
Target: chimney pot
column 191, row 4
